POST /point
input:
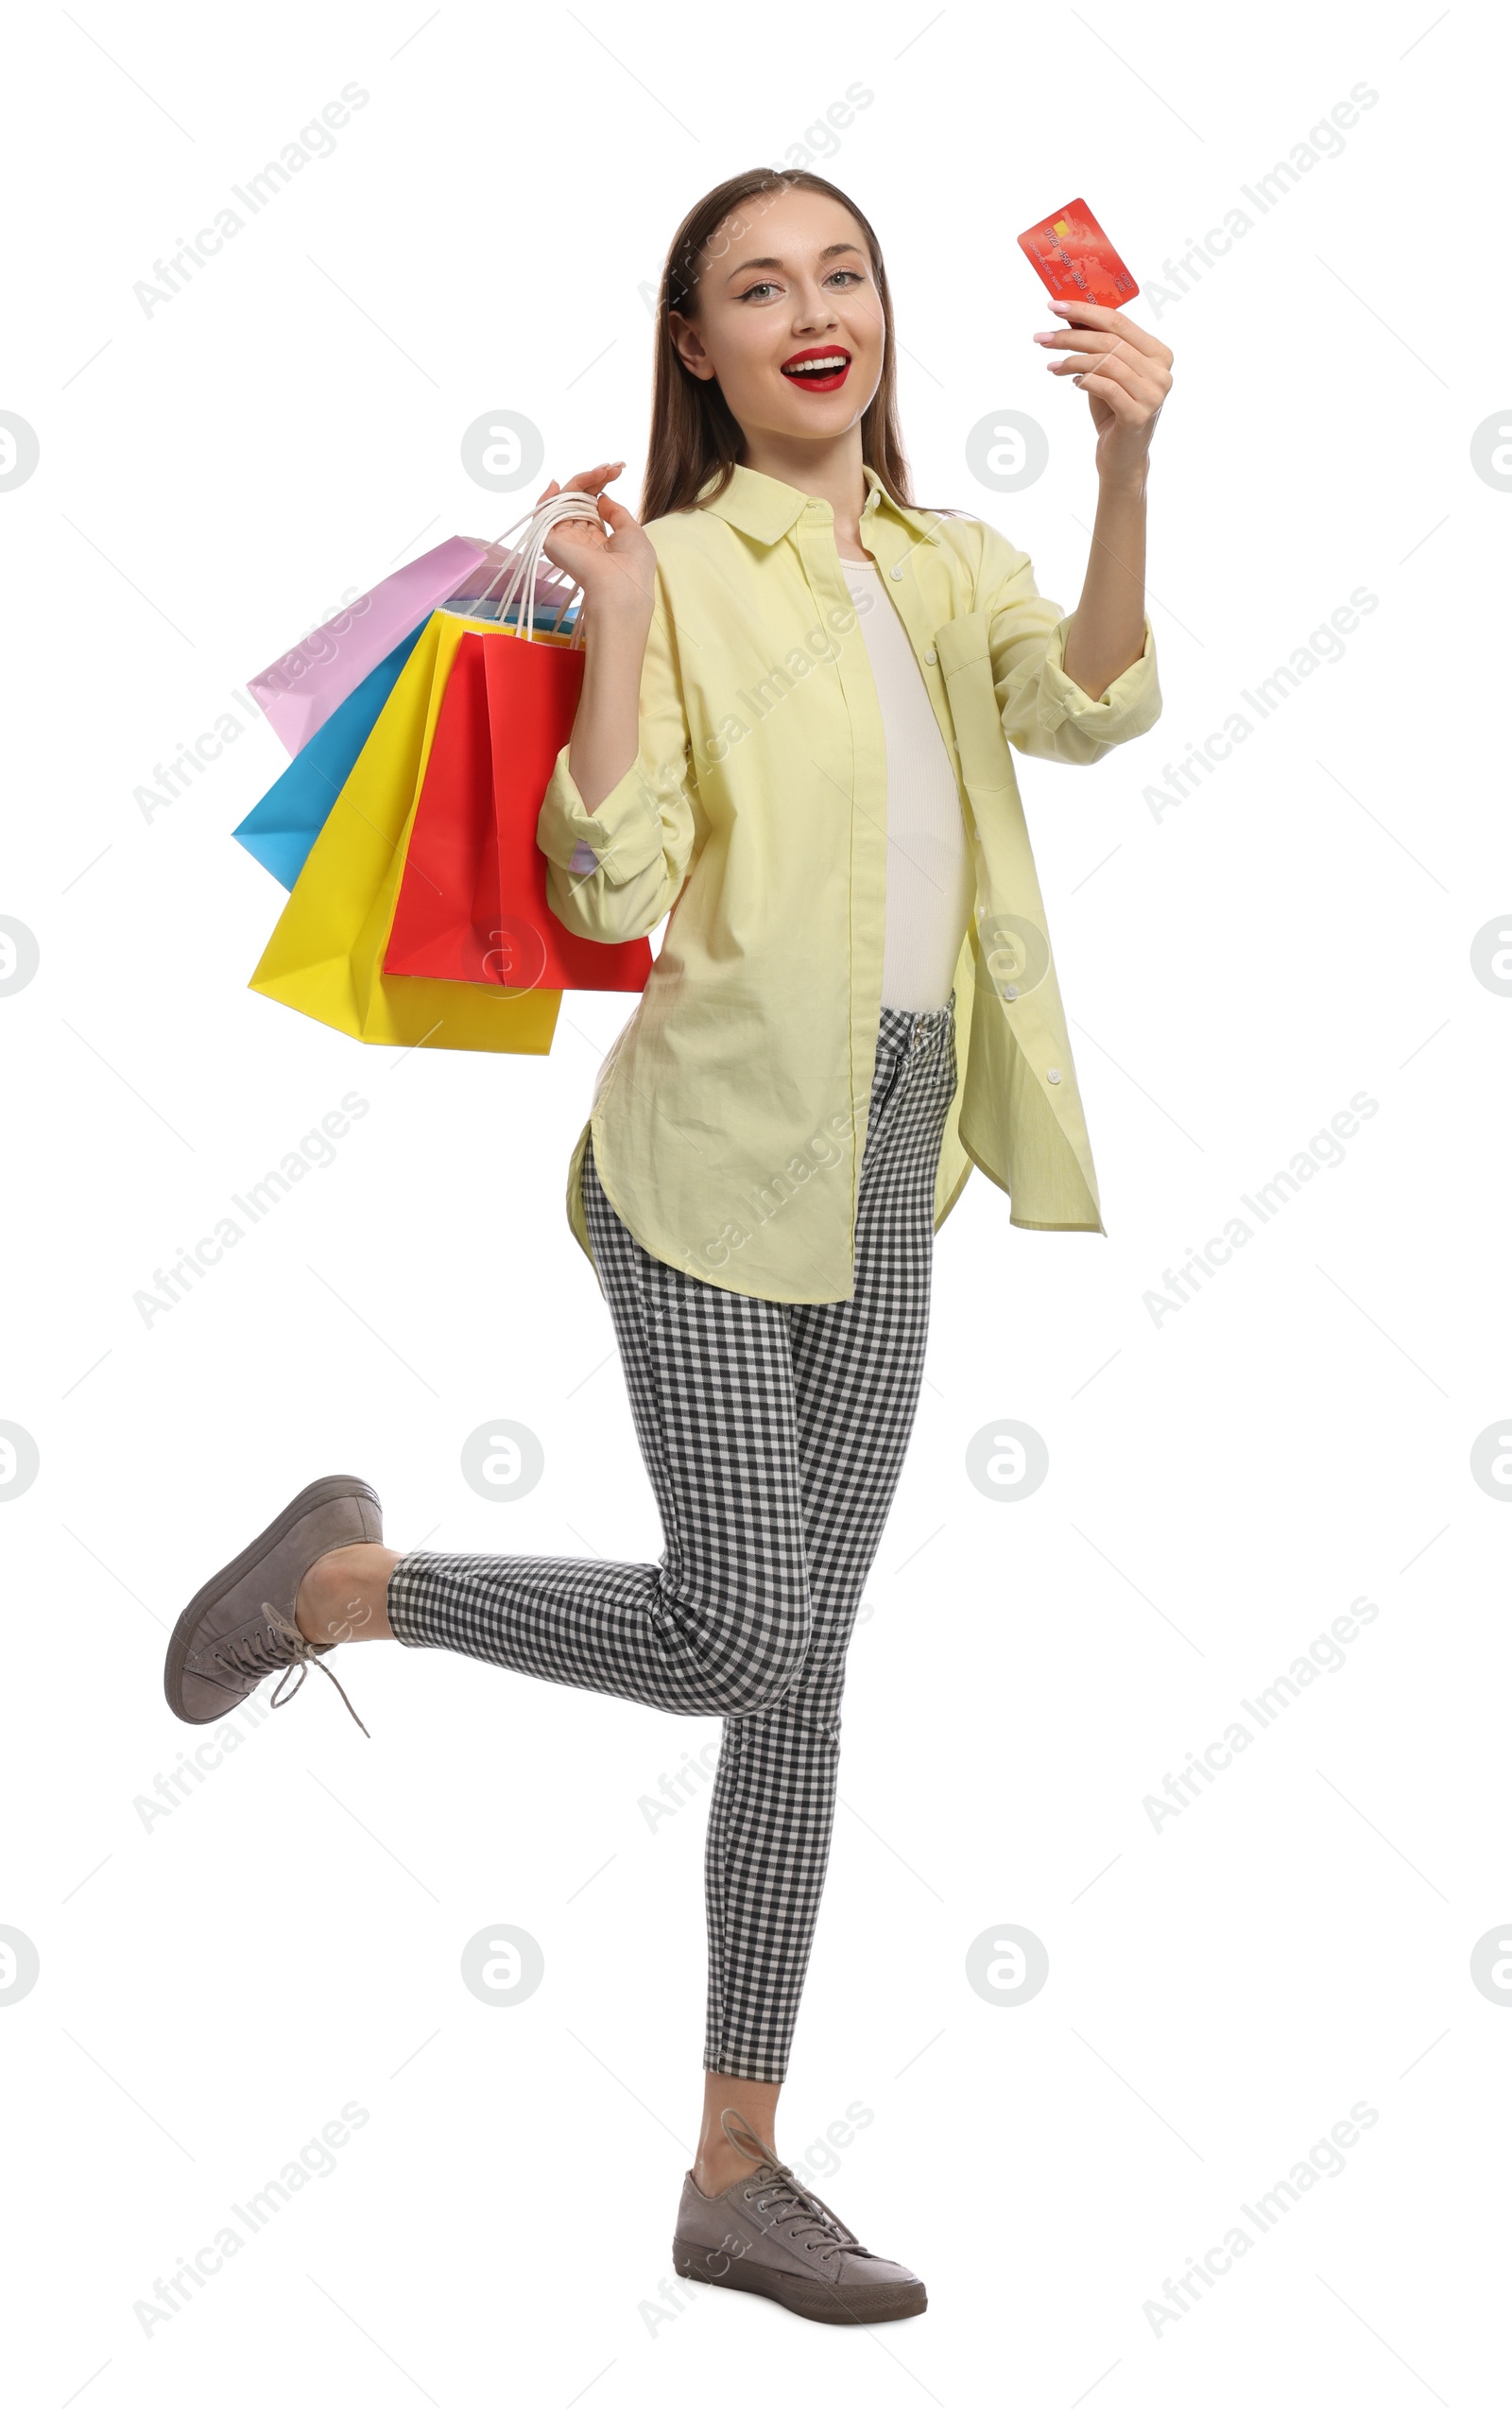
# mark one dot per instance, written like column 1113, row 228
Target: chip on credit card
column 1075, row 259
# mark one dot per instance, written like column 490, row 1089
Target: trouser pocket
column 889, row 1083
column 887, row 1074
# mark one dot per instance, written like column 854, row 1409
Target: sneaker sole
column 819, row 2302
column 325, row 1490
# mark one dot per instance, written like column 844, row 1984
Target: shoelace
column 813, row 2225
column 287, row 1651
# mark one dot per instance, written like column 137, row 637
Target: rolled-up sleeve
column 612, row 873
column 1044, row 713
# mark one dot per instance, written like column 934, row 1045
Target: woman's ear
column 690, row 346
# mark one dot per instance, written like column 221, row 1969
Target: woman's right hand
column 613, row 564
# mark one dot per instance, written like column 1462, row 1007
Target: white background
column 1222, row 1485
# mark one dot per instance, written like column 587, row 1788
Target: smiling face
column 789, row 318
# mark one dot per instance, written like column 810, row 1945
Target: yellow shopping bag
column 325, row 955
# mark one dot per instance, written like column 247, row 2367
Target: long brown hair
column 693, row 433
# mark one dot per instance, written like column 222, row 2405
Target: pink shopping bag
column 303, row 689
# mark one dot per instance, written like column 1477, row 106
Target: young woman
column 794, row 733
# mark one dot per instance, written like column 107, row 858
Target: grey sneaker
column 771, row 2234
column 240, row 1628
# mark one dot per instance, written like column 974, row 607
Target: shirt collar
column 767, row 508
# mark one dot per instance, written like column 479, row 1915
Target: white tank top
column 930, row 886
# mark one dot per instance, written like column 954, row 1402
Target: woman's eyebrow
column 770, row 260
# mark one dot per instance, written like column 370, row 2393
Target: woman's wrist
column 1125, row 483
column 622, row 592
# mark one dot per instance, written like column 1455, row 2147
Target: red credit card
column 1075, row 259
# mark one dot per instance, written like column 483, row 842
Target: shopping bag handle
column 521, row 566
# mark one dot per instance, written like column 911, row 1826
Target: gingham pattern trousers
column 774, row 1434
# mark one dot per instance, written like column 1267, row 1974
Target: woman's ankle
column 751, row 2110
column 344, row 1595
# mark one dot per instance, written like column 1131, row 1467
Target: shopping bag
column 472, row 905
column 283, row 825
column 303, row 689
column 325, row 955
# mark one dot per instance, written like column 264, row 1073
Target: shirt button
column 1011, row 990
column 932, row 657
column 897, row 570
column 1052, row 1074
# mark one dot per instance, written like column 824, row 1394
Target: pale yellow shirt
column 729, row 1115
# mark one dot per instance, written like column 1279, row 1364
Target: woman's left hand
column 1125, row 374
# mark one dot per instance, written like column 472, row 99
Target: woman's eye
column 767, row 284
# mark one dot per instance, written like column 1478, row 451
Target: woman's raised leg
column 720, row 1623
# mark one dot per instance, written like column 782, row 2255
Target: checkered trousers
column 774, row 1434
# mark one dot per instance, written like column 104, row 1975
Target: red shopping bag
column 473, row 904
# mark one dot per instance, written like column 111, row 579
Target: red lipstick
column 831, row 366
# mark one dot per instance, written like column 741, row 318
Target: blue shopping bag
column 285, row 825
